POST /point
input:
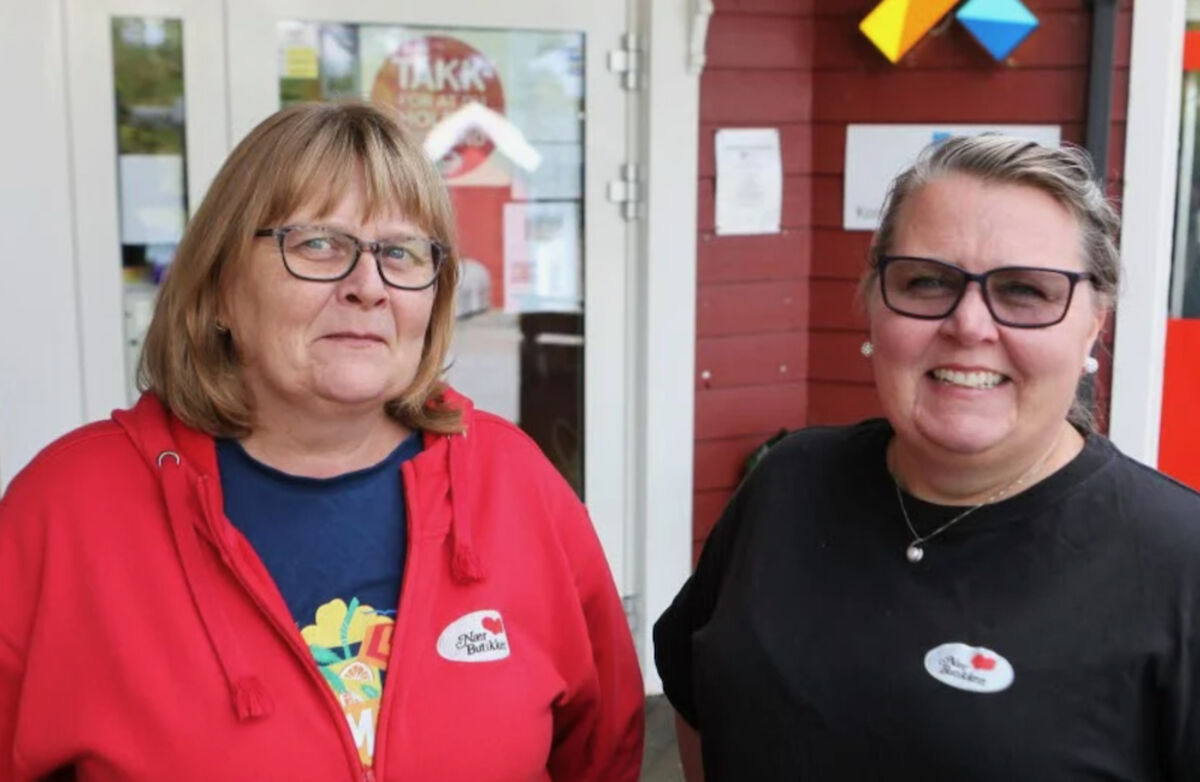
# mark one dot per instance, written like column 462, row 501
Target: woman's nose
column 364, row 285
column 971, row 321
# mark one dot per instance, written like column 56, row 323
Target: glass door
column 527, row 126
column 149, row 130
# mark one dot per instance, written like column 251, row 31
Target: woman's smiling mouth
column 981, row 379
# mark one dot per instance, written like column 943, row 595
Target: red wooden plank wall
column 777, row 330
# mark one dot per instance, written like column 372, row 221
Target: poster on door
column 432, row 79
column 509, row 103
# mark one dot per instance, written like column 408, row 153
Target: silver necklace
column 916, row 550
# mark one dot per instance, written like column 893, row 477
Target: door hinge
column 631, row 613
column 627, row 191
column 627, row 61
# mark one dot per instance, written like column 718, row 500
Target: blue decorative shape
column 998, row 25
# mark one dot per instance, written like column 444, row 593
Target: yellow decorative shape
column 331, row 620
column 895, row 26
column 884, row 26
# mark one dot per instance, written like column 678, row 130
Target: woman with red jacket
column 301, row 556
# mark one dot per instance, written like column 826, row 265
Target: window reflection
column 151, row 172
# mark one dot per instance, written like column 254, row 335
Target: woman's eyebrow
column 408, row 232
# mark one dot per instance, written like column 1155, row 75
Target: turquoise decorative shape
column 998, row 25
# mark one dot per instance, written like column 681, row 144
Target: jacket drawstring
column 465, row 566
column 250, row 697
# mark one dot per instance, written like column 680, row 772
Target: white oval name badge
column 971, row 668
column 478, row 637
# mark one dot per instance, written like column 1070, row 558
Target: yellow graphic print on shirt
column 350, row 644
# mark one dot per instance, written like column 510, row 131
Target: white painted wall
column 40, row 384
column 1151, row 160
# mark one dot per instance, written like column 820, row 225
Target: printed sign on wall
column 875, row 154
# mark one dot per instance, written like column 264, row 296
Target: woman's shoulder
column 83, row 460
column 91, row 447
column 1149, row 516
column 1150, row 522
column 502, row 448
column 496, row 435
column 822, row 448
column 1152, row 498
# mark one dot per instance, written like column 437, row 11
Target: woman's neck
column 322, row 446
column 951, row 479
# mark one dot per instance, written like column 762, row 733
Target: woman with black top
column 977, row 586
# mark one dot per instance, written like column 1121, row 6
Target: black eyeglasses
column 1024, row 297
column 319, row 254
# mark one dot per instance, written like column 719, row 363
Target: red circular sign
column 428, row 78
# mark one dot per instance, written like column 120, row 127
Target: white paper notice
column 542, row 271
column 875, row 154
column 749, row 181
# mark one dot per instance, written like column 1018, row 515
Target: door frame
column 1148, row 226
column 669, row 128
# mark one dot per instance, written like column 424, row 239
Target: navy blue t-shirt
column 335, row 547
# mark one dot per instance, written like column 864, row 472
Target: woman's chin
column 963, row 434
column 355, row 392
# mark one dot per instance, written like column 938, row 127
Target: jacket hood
column 184, row 462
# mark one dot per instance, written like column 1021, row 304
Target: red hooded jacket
column 141, row 638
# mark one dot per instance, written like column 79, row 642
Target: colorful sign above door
column 895, row 26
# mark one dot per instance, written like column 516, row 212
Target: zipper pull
column 368, row 774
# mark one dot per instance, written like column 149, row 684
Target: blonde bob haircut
column 308, row 155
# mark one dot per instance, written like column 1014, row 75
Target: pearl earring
column 867, row 349
column 1091, row 365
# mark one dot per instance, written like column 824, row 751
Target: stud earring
column 1091, row 365
column 867, row 349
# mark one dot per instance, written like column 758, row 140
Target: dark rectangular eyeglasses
column 322, row 254
column 1024, row 297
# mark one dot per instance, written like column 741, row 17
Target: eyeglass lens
column 321, row 254
column 1016, row 295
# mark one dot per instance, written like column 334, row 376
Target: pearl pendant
column 914, row 553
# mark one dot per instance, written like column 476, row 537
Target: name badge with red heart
column 477, row 637
column 970, row 668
